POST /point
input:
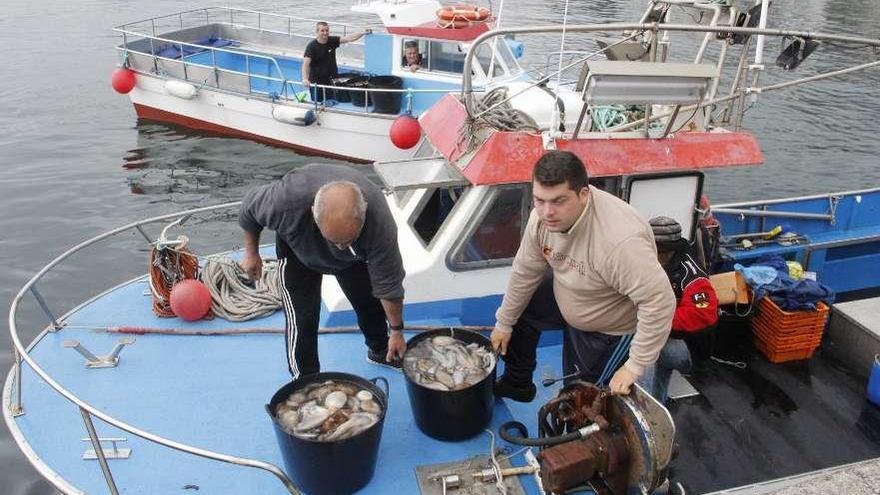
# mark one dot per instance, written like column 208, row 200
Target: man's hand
column 252, row 264
column 622, row 381
column 500, row 339
column 396, row 346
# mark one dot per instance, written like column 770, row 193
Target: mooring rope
column 169, row 265
column 234, row 296
column 499, row 115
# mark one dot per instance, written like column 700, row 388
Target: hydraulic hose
column 523, row 437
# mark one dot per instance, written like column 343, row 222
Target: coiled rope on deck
column 494, row 112
column 167, row 267
column 234, row 296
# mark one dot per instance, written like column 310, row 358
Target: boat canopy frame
column 745, row 82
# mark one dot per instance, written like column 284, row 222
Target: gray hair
column 359, row 211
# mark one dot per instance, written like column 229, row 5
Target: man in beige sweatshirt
column 587, row 263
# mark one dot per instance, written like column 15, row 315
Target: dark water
column 74, row 161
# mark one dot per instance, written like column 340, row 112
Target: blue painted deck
column 844, row 254
column 208, row 392
column 291, row 69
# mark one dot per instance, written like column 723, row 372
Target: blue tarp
column 769, row 277
column 173, row 51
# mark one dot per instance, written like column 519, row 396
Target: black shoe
column 519, row 393
column 379, row 358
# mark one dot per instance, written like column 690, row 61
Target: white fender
column 294, row 115
column 181, row 89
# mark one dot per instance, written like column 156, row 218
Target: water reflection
column 185, row 166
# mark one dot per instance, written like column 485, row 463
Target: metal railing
column 227, row 16
column 88, row 411
column 742, row 85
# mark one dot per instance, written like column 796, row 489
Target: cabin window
column 433, row 212
column 509, row 60
column 494, row 237
column 420, row 49
column 484, row 57
column 445, row 57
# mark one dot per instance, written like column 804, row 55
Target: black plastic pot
column 386, row 101
column 454, row 415
column 330, row 468
column 342, row 81
column 358, row 98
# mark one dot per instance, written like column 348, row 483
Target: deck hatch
column 417, row 174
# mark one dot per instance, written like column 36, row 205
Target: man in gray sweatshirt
column 329, row 219
column 587, row 263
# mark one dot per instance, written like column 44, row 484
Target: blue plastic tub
column 874, row 382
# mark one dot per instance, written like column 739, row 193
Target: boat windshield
column 445, row 56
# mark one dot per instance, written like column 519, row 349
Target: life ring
column 454, row 24
column 463, row 13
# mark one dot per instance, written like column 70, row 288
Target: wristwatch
column 396, row 328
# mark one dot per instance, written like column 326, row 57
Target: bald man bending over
column 329, row 219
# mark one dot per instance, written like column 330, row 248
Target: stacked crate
column 788, row 335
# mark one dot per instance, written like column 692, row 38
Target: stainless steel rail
column 656, row 28
column 89, row 410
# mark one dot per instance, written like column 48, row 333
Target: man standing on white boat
column 587, row 263
column 329, row 219
column 319, row 61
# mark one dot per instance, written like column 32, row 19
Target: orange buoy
column 123, row 80
column 190, row 299
column 405, row 132
column 463, row 13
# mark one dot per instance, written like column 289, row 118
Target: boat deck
column 748, row 425
column 769, row 421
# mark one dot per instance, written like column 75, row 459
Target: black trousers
column 301, row 300
column 591, row 356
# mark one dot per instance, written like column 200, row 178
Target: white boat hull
column 339, row 134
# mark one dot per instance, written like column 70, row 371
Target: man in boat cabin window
column 319, row 60
column 696, row 312
column 587, row 264
column 412, row 59
column 329, row 220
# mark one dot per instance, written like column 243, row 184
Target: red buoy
column 405, row 132
column 122, row 80
column 190, row 299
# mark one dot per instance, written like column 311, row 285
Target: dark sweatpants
column 596, row 355
column 301, row 300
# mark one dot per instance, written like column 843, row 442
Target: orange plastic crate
column 793, row 343
column 791, row 320
column 784, row 355
column 788, row 335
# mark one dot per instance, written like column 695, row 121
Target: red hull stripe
column 151, row 113
column 508, row 157
column 432, row 30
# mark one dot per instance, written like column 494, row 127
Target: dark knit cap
column 667, row 232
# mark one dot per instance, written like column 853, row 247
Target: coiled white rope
column 235, row 297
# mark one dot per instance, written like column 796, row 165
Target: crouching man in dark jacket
column 696, row 310
column 329, row 219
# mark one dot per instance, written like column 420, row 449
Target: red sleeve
column 697, row 309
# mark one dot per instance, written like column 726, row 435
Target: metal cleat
column 108, row 361
column 112, row 453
